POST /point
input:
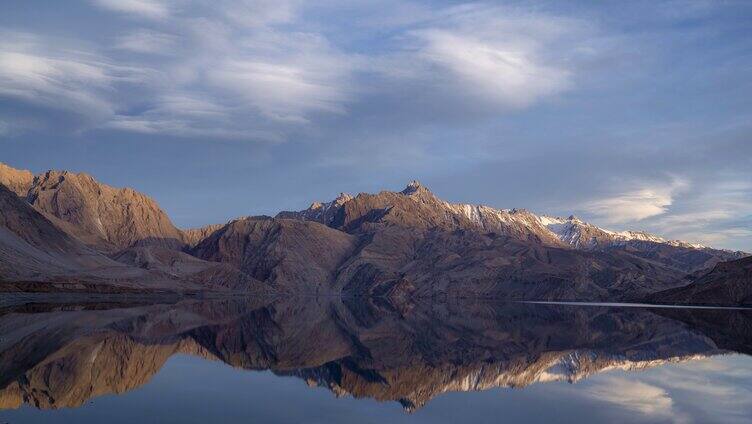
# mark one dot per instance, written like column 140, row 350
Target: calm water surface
column 363, row 360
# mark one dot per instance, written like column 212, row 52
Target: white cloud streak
column 636, row 205
column 635, row 396
column 146, row 41
column 498, row 54
column 63, row 79
column 152, row 9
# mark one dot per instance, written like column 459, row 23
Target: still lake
column 358, row 360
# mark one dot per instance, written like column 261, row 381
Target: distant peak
column 414, row 187
column 343, row 197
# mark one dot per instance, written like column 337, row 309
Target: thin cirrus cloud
column 636, row 205
column 500, row 55
column 263, row 77
column 146, row 41
column 147, row 8
column 63, row 78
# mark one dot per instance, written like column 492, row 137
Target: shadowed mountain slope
column 31, row 246
column 728, row 283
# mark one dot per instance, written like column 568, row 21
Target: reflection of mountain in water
column 410, row 353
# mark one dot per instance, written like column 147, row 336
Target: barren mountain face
column 37, row 255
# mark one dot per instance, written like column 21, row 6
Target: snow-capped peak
column 577, row 233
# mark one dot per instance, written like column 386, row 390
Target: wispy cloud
column 498, row 54
column 78, row 81
column 635, row 396
column 711, row 215
column 153, row 9
column 283, row 76
column 146, row 41
column 637, row 204
column 500, row 72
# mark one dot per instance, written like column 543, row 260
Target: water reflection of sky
column 193, row 390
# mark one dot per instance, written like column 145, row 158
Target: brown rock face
column 36, row 255
column 100, row 215
column 287, row 254
column 18, row 181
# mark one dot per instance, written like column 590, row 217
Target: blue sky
column 628, row 114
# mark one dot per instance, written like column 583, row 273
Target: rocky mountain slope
column 677, row 254
column 103, row 217
column 37, row 255
column 418, row 243
column 413, row 244
column 184, row 267
column 106, row 217
column 289, row 255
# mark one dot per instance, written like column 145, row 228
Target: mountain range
column 65, row 231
